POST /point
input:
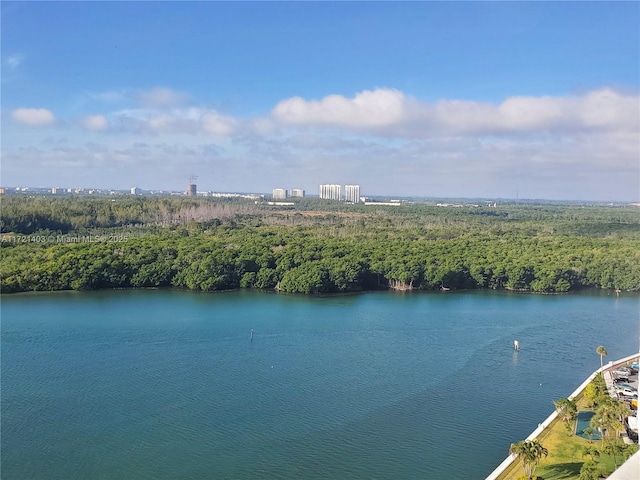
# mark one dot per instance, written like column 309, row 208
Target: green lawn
column 565, row 457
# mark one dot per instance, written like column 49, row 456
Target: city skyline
column 430, row 99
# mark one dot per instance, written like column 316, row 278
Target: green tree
column 590, row 394
column 602, row 352
column 589, row 433
column 589, row 471
column 591, row 452
column 267, row 278
column 601, row 393
column 312, row 278
column 607, row 419
column 567, row 411
column 248, row 280
column 614, row 449
column 529, row 452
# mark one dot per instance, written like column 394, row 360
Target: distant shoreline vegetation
column 313, row 247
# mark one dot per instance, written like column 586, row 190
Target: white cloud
column 95, row 123
column 216, row 124
column 13, row 61
column 392, row 113
column 162, row 98
column 263, row 126
column 187, row 121
column 102, row 165
column 576, row 146
column 172, row 123
column 607, row 108
column 34, row 117
column 370, row 108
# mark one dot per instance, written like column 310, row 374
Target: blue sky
column 445, row 99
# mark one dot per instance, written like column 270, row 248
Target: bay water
column 168, row 384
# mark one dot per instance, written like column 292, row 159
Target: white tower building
column 352, row 193
column 279, row 194
column 331, row 192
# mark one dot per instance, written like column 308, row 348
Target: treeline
column 308, row 259
column 312, row 247
column 28, row 215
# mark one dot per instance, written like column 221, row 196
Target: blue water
column 165, row 384
column 583, row 421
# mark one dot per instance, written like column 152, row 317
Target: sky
column 534, row 100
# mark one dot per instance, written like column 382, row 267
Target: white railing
column 541, row 426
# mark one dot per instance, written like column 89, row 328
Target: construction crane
column 192, row 190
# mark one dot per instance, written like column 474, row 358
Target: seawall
column 511, row 458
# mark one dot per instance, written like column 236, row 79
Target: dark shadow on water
column 562, row 470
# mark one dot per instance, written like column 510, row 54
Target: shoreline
column 507, row 462
column 440, row 291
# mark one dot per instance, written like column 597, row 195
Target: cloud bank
column 582, row 146
column 392, row 113
column 380, row 112
column 175, row 121
column 370, row 108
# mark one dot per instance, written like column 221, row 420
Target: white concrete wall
column 511, row 458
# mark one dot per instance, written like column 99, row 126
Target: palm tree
column 620, row 411
column 607, row 419
column 602, row 352
column 589, row 433
column 529, row 452
column 567, row 411
column 591, row 452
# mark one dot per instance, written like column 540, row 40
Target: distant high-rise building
column 279, row 194
column 57, row 190
column 352, row 193
column 331, row 192
column 135, row 191
column 297, row 192
column 192, row 189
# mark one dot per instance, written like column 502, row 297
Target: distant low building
column 387, row 204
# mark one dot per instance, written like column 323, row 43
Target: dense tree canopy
column 203, row 245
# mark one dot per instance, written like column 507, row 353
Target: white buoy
column 252, row 334
column 516, row 345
